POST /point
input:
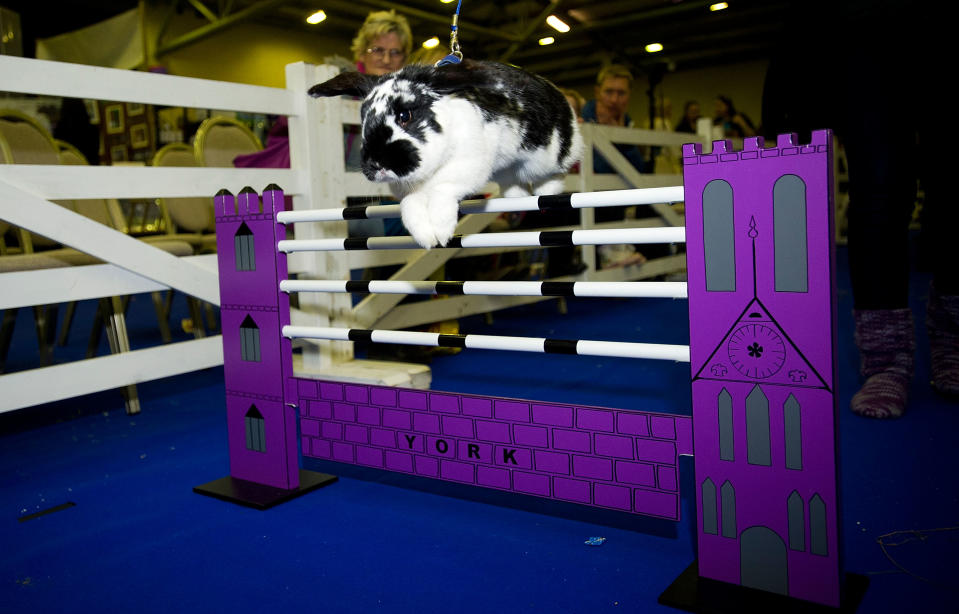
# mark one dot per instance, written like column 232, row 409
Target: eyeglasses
column 379, row 52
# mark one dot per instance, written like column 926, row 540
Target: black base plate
column 261, row 496
column 693, row 593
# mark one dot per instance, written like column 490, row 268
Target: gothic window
column 255, row 430
column 250, row 340
column 726, row 448
column 817, row 527
column 757, row 428
column 709, row 507
column 727, row 494
column 719, row 246
column 797, row 522
column 792, row 421
column 243, row 249
column 789, row 218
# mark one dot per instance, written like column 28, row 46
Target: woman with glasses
column 382, row 44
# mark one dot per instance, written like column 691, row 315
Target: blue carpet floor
column 137, row 539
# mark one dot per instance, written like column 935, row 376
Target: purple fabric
column 276, row 154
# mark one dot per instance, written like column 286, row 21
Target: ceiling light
column 548, row 40
column 557, row 24
column 446, row 1
column 654, row 47
column 719, row 6
column 431, row 42
column 316, row 18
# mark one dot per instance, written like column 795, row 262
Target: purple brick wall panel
column 444, row 403
column 531, row 435
column 633, row 424
column 368, row 415
column 641, row 474
column 581, row 454
column 656, row 503
column 594, row 419
column 426, row 423
column 511, row 410
column 802, row 318
column 306, row 389
column 575, row 441
column 614, row 445
column 553, row 415
column 572, row 490
column 457, row 427
column 399, row 461
column 662, row 426
column 310, row 427
column 492, row 431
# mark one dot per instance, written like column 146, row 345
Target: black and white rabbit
column 438, row 134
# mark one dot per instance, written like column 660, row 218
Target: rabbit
column 439, row 133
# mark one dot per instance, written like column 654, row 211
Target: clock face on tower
column 756, row 351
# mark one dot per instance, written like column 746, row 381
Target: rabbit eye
column 403, row 117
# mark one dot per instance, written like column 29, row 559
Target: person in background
column 691, row 115
column 382, row 43
column 429, row 57
column 733, row 123
column 575, row 100
column 612, row 91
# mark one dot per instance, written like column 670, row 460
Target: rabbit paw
column 515, row 191
column 551, row 186
column 416, row 218
column 444, row 214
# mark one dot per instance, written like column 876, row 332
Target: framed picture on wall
column 114, row 113
column 139, row 137
column 118, row 153
column 93, row 110
column 134, row 108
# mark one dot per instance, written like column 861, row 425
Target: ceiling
column 506, row 30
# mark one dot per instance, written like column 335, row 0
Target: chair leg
column 94, row 342
column 196, row 314
column 45, row 320
column 6, row 335
column 67, row 323
column 211, row 319
column 119, row 342
column 163, row 316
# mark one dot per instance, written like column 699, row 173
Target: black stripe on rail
column 452, row 341
column 357, row 334
column 360, row 287
column 355, row 213
column 557, row 288
column 556, row 238
column 355, row 243
column 449, row 287
column 560, row 346
column 555, row 201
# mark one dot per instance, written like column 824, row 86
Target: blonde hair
column 616, row 71
column 380, row 23
column 577, row 97
column 428, row 56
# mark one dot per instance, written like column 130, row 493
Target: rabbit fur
column 438, row 134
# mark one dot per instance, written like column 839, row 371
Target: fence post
column 316, row 147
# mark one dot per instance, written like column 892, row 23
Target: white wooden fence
column 317, row 179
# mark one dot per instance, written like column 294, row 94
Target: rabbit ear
column 451, row 78
column 350, row 83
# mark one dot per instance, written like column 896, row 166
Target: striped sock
column 886, row 347
column 942, row 321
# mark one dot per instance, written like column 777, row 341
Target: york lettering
column 472, row 450
column 441, row 446
column 409, row 440
column 508, row 456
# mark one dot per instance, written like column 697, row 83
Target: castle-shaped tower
column 762, row 329
column 261, row 428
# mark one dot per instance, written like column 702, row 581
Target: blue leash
column 455, row 56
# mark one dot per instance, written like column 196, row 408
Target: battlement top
column 248, row 202
column 755, row 147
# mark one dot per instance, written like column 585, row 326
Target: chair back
column 103, row 210
column 187, row 214
column 220, row 139
column 23, row 140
